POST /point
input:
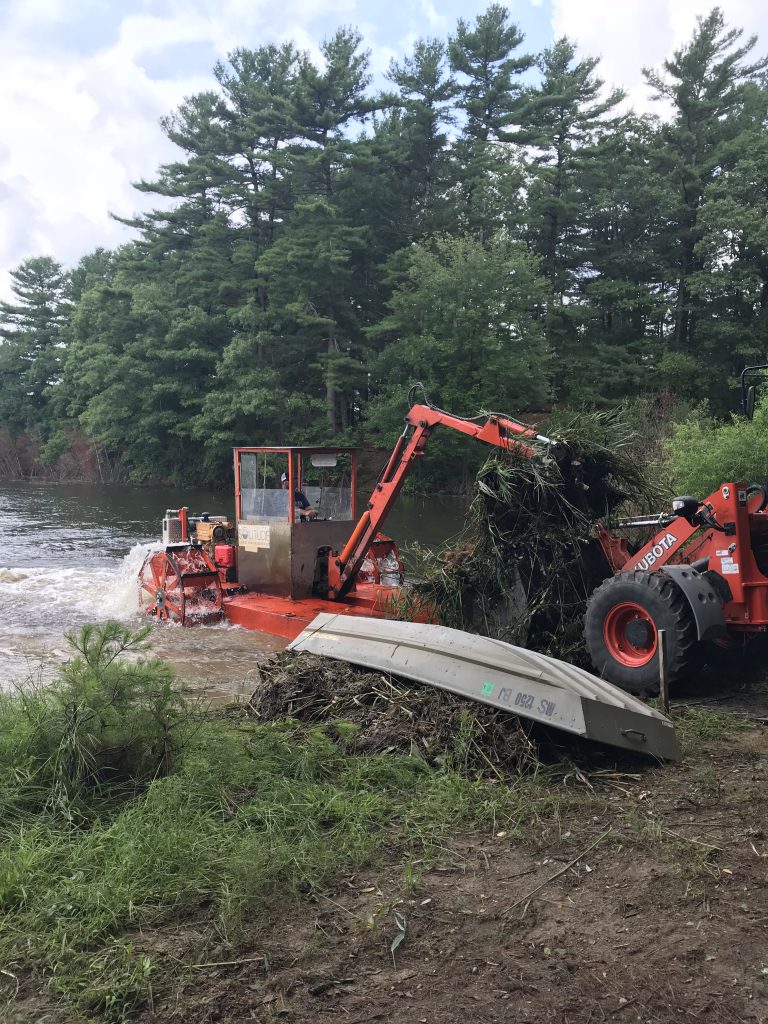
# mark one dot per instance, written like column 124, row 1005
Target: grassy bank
column 125, row 807
column 150, row 848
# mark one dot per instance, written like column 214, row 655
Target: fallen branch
column 566, row 867
column 228, row 963
column 696, row 842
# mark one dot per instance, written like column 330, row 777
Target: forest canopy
column 494, row 223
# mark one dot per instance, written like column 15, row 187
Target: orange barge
column 297, row 546
column 268, row 571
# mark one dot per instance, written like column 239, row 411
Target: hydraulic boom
column 500, row 431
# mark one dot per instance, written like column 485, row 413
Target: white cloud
column 37, row 12
column 77, row 132
column 79, row 127
column 631, row 34
column 436, row 22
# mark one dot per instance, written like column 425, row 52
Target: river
column 71, row 555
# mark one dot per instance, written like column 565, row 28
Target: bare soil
column 643, row 899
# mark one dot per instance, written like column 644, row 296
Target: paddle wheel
column 182, row 585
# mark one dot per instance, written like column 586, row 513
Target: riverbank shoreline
column 273, row 873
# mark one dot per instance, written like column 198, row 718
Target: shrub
column 703, row 453
column 104, row 723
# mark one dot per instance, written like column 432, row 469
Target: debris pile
column 527, row 561
column 386, row 714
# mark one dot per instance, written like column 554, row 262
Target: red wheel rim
column 630, row 634
column 160, row 580
column 182, row 587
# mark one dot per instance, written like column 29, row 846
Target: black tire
column 664, row 606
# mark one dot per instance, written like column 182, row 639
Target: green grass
column 127, row 811
column 241, row 821
column 695, row 727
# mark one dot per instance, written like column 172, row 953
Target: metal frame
column 747, row 406
column 497, row 430
column 290, row 451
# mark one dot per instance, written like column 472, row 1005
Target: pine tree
column 309, row 277
column 32, row 328
column 563, row 123
column 259, row 119
column 489, row 176
column 483, row 56
column 731, row 286
column 311, row 272
column 710, row 84
column 328, row 102
column 626, row 208
column 427, row 91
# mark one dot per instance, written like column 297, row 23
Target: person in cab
column 306, row 512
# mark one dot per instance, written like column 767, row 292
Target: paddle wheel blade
column 181, row 585
column 201, row 587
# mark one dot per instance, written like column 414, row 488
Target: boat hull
column 522, row 682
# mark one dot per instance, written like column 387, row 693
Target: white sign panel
column 253, row 536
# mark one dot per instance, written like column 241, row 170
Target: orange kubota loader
column 702, row 574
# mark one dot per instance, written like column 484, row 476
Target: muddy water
column 71, row 554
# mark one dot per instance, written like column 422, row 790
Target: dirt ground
column 643, row 899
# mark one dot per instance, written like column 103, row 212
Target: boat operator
column 306, row 512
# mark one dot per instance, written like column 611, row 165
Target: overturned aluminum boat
column 492, row 672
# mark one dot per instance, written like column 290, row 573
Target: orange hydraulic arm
column 419, row 424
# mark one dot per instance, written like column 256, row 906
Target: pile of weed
column 244, row 819
column 527, row 560
column 372, row 713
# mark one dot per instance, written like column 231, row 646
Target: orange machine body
column 299, row 546
column 728, row 537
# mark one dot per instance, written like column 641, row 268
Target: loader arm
column 500, row 431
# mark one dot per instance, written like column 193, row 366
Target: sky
column 84, row 84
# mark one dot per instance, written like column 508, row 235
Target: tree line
column 494, row 223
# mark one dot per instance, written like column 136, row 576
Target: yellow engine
column 213, row 529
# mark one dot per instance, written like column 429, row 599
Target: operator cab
column 279, row 550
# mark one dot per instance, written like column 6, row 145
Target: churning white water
column 44, row 595
column 41, row 603
column 71, row 555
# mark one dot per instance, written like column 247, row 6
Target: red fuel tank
column 224, row 555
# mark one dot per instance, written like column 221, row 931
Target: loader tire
column 624, row 616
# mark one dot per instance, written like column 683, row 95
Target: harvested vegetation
column 375, row 714
column 527, row 561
